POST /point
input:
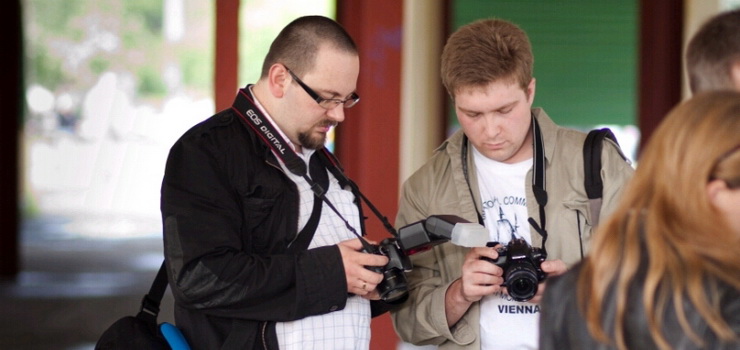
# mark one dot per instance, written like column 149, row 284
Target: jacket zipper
column 264, row 335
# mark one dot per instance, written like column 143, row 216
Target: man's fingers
column 554, row 267
column 353, row 244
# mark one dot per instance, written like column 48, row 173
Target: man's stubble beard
column 311, row 142
column 314, row 142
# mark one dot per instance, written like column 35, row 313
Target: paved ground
column 72, row 288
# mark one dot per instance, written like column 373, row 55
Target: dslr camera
column 417, row 237
column 393, row 287
column 521, row 264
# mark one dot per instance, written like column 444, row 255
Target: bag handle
column 150, row 303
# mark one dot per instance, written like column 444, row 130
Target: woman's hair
column 486, row 51
column 667, row 228
column 298, row 43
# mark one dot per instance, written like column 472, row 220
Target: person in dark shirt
column 664, row 270
column 256, row 257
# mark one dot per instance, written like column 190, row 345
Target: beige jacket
column 439, row 187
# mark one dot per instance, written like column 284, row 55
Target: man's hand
column 552, row 268
column 479, row 278
column 360, row 280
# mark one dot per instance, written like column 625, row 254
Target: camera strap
column 246, row 109
column 538, row 178
column 304, row 237
column 464, row 158
column 332, row 163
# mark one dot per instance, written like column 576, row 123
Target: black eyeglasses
column 327, row 103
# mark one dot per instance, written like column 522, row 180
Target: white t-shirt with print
column 505, row 323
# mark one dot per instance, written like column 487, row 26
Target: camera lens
column 521, row 282
column 393, row 295
column 393, row 286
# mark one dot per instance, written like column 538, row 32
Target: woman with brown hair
column 664, row 269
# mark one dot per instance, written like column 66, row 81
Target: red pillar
column 661, row 28
column 368, row 140
column 226, row 62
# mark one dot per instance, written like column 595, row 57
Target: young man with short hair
column 510, row 168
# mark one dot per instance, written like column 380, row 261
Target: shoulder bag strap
column 592, row 169
column 150, row 303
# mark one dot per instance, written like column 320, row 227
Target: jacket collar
column 549, row 132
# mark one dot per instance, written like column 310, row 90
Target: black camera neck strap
column 538, row 178
column 464, row 159
column 303, row 238
column 538, row 181
column 332, row 163
column 247, row 111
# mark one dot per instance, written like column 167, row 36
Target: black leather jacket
column 229, row 213
column 563, row 327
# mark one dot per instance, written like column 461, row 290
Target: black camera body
column 393, row 287
column 417, row 237
column 521, row 264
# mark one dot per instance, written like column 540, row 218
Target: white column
column 421, row 86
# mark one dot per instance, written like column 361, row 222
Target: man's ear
column 715, row 188
column 530, row 91
column 735, row 74
column 278, row 79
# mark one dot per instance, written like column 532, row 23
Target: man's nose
column 336, row 113
column 492, row 127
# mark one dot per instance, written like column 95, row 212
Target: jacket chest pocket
column 264, row 217
column 577, row 225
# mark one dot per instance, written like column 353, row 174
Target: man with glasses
column 260, row 235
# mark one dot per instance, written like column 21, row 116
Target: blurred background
column 98, row 90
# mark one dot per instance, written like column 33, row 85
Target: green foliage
column 197, row 67
column 56, row 15
column 99, row 65
column 44, row 67
column 148, row 12
column 130, row 40
column 70, row 43
column 150, row 83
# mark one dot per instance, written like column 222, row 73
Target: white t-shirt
column 505, row 323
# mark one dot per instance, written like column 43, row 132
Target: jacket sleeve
column 616, row 172
column 422, row 319
column 208, row 267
